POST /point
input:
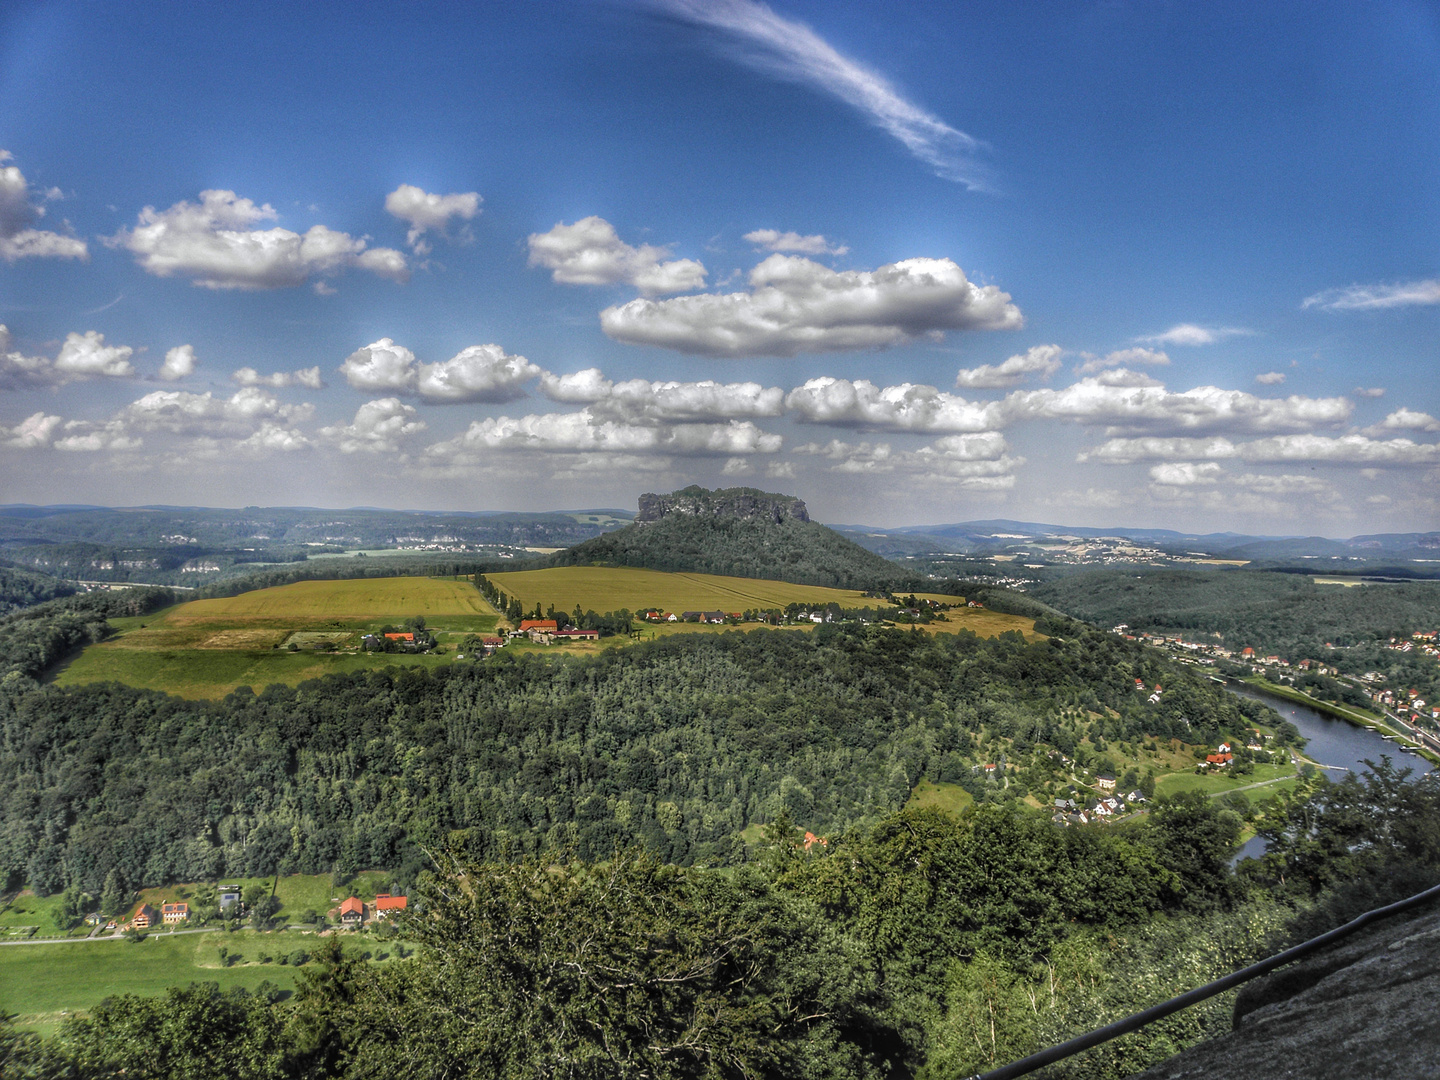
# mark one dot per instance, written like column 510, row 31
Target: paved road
column 109, row 937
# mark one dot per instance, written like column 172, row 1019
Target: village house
column 385, row 904
column 573, row 634
column 144, row 918
column 229, row 898
column 1106, row 782
column 174, row 912
column 1217, row 760
column 547, row 626
column 352, row 911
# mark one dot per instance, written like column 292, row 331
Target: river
column 1332, row 742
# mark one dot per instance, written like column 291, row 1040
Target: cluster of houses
column 655, row 615
column 1106, row 807
column 1154, row 697
column 547, row 631
column 355, row 913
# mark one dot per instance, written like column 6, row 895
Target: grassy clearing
column 211, row 673
column 1219, row 782
column 951, row 798
column 44, row 983
column 207, row 648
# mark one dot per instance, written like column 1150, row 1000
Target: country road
column 111, row 937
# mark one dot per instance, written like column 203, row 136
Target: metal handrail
column 1209, row 990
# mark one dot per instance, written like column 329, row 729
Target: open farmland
column 611, row 588
column 206, row 648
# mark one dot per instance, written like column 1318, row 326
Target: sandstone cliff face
column 742, row 504
column 1368, row 1007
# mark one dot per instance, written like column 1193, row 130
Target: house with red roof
column 174, row 913
column 144, row 918
column 352, row 911
column 385, row 904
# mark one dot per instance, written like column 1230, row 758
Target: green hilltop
column 738, row 532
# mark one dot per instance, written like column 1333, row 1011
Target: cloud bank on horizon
column 572, row 274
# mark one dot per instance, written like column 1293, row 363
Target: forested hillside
column 738, row 532
column 22, row 588
column 924, row 946
column 569, row 829
column 1245, row 607
column 678, row 745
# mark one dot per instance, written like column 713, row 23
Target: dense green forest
column 34, row 638
column 923, row 945
column 583, row 903
column 1284, row 614
column 23, row 588
column 1287, row 613
column 677, row 744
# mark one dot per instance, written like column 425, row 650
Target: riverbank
column 1373, row 722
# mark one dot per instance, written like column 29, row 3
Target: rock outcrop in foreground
column 1366, row 1008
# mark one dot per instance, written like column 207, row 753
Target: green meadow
column 207, row 648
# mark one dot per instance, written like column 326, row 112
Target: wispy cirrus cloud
column 1376, row 297
column 791, row 50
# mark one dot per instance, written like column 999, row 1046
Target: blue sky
column 1111, row 263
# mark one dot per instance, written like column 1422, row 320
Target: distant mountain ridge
column 737, row 532
column 999, row 533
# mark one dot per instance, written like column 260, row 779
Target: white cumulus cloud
column 1377, row 297
column 1270, row 378
column 977, row 462
column 81, row 356
column 86, row 356
column 1406, row 419
column 902, row 408
column 1353, row 449
column 1041, row 360
column 590, row 252
column 476, row 373
column 792, row 51
column 180, row 412
column 426, row 212
column 379, row 427
column 1123, row 358
column 1190, row 334
column 179, row 363
column 20, row 209
column 774, row 240
column 1204, row 409
column 35, row 431
column 641, row 399
column 587, row 432
column 307, row 377
column 215, row 243
column 797, row 305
